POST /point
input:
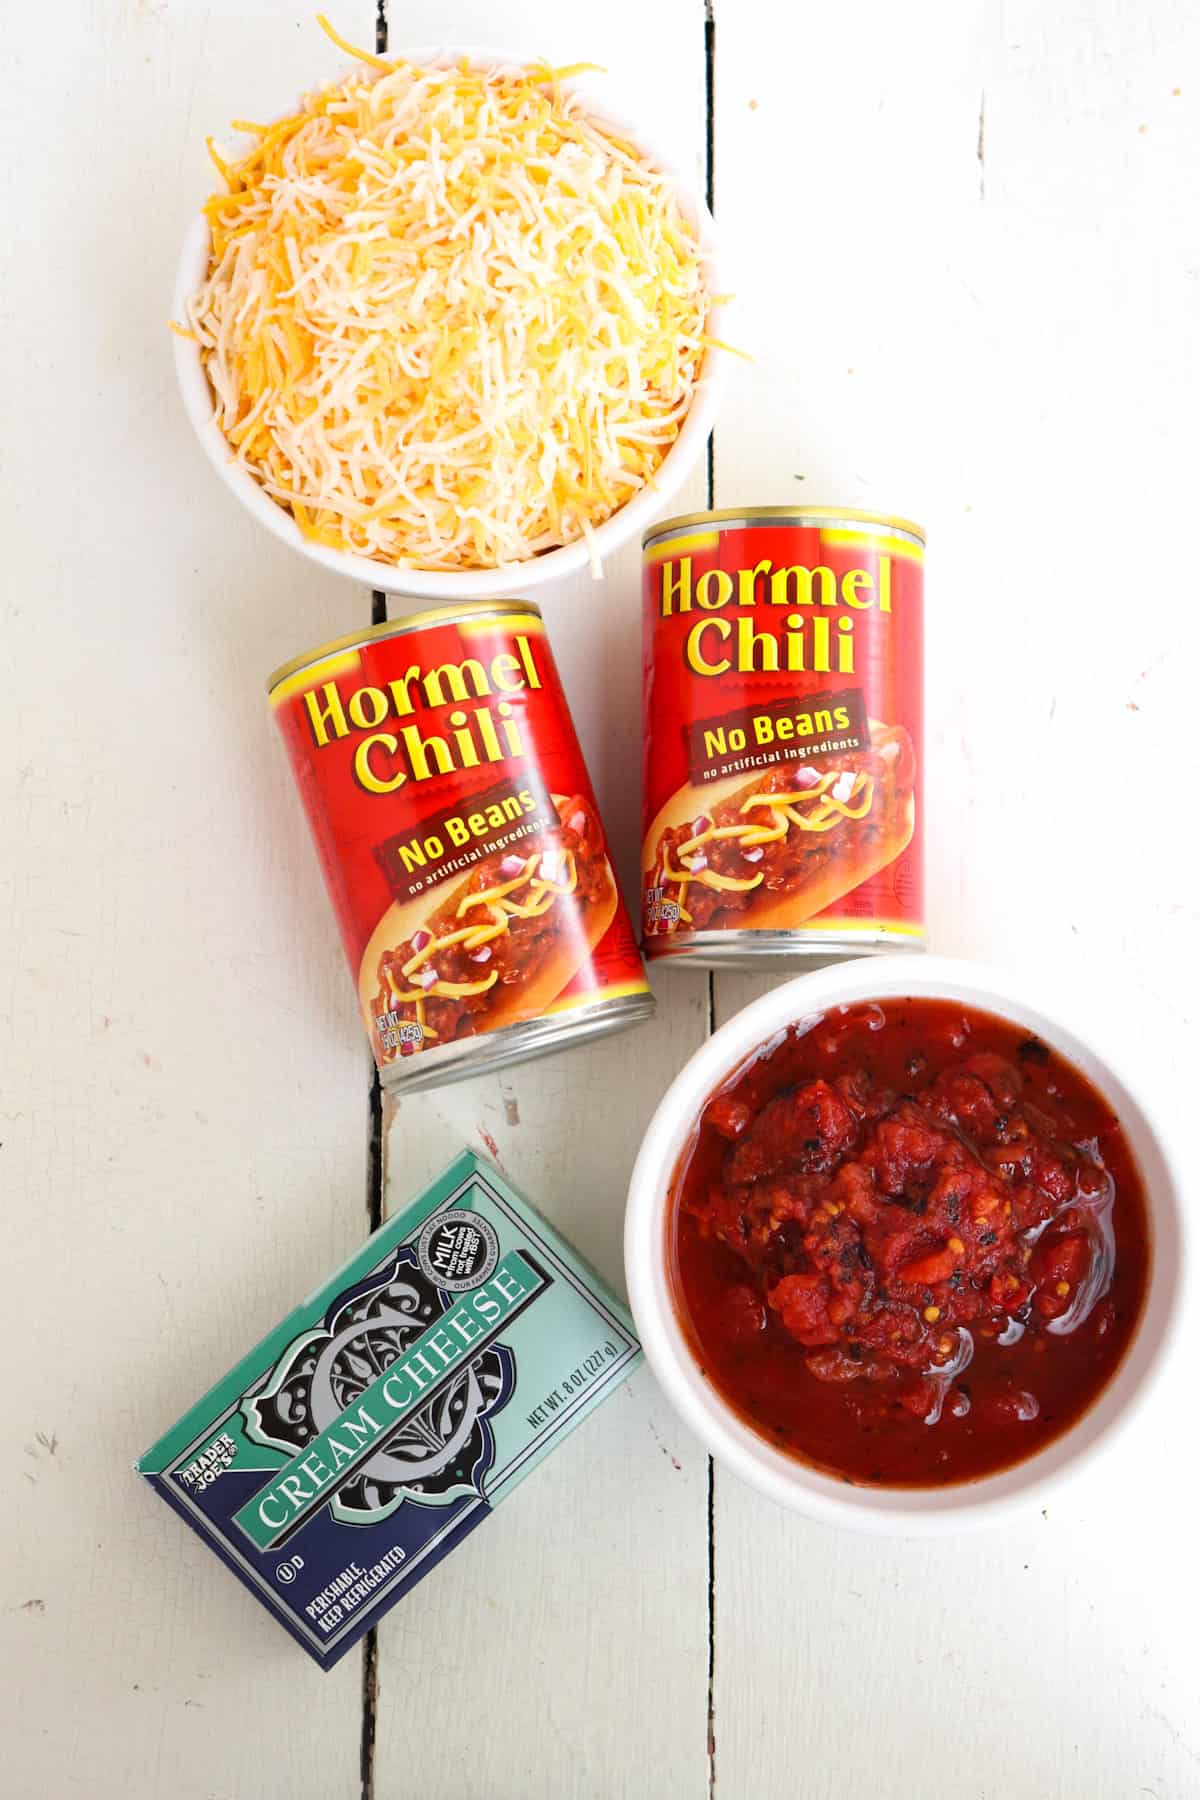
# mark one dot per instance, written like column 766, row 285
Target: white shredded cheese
column 449, row 320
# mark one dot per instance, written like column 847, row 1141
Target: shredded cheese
column 449, row 321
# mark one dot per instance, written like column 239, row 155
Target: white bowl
column 903, row 1511
column 436, row 585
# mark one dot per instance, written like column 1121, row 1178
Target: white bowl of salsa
column 905, row 1248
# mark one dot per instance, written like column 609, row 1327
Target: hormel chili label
column 457, row 831
column 783, row 695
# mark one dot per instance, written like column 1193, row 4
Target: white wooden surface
column 966, row 245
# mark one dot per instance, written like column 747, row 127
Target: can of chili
column 783, row 704
column 460, row 842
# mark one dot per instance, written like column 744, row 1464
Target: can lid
column 436, row 615
column 785, row 515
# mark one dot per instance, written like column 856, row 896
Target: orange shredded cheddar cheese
column 449, row 321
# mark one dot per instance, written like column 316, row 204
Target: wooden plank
column 184, row 1086
column 976, row 315
column 573, row 1628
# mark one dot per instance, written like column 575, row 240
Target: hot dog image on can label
column 783, row 714
column 460, row 841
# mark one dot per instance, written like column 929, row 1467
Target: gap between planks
column 710, row 1744
column 370, row 1655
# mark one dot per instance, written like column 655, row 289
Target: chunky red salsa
column 909, row 1243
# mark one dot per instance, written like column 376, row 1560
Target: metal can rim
column 522, row 1040
column 434, row 615
column 784, row 515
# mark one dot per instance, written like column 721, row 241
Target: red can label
column 457, row 828
column 783, row 678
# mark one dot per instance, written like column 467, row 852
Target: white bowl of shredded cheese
column 455, row 332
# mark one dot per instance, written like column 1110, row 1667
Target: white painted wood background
column 965, row 237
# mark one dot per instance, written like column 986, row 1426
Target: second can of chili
column 460, row 841
column 783, row 696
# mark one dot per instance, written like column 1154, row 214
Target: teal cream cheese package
column 386, row 1416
